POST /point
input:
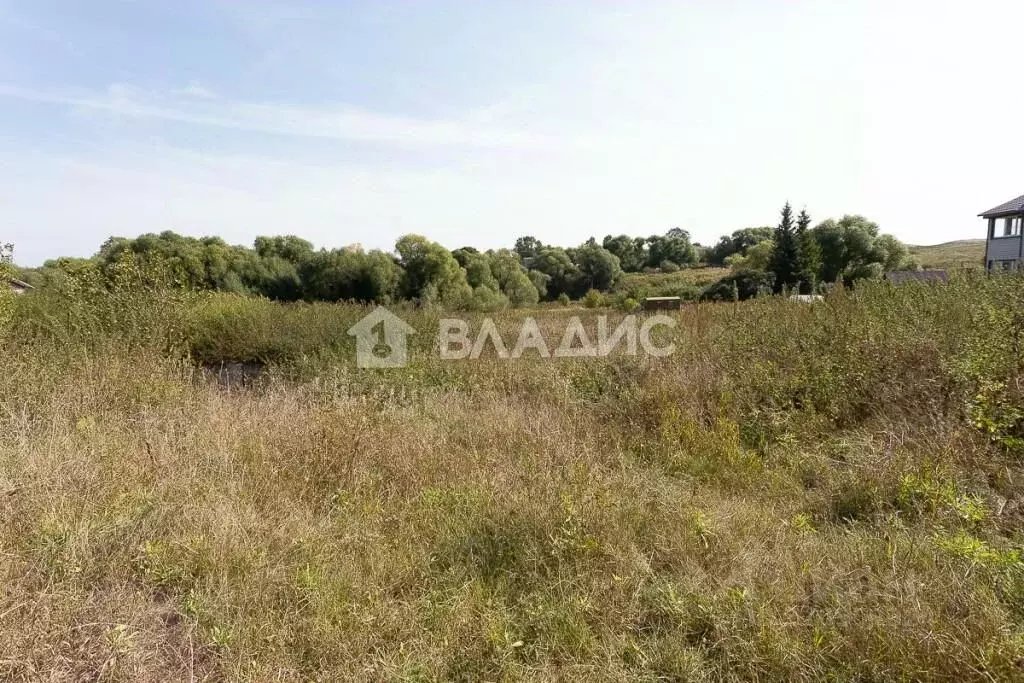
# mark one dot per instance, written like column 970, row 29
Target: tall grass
column 801, row 492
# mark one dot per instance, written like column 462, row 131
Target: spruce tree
column 785, row 257
column 808, row 254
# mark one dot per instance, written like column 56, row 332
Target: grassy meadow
column 687, row 283
column 959, row 254
column 800, row 492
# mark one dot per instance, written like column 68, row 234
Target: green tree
column 528, row 248
column 785, row 257
column 631, row 251
column 289, row 247
column 674, row 246
column 352, row 275
column 182, row 257
column 598, row 267
column 273, row 277
column 487, row 299
column 891, row 253
column 520, row 290
column 738, row 243
column 740, row 285
column 853, row 249
column 330, row 275
column 382, row 277
column 558, row 267
column 832, row 245
column 512, row 278
column 478, row 269
column 432, row 275
column 808, row 254
column 540, row 282
column 757, row 257
column 61, row 273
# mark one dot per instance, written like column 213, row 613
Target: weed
column 799, row 493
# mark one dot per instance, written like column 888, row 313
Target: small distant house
column 18, row 287
column 898, row 277
column 662, row 303
column 806, row 298
column 1004, row 243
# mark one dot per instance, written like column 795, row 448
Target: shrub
column 744, row 285
column 628, row 305
column 594, row 299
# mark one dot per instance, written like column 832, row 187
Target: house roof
column 901, row 276
column 20, row 283
column 1005, row 209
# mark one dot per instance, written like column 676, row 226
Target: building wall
column 673, row 304
column 1004, row 249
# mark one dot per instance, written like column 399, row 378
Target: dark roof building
column 898, row 277
column 1010, row 208
column 662, row 303
column 1004, row 243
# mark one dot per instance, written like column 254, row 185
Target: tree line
column 791, row 256
column 797, row 258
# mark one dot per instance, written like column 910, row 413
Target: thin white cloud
column 702, row 116
column 24, row 27
column 195, row 89
column 196, row 105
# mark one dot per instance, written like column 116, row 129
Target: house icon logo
column 380, row 340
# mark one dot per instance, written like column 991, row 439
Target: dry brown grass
column 797, row 494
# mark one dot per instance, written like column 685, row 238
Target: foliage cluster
column 798, row 258
column 288, row 268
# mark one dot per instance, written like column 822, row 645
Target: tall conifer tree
column 785, row 257
column 808, row 253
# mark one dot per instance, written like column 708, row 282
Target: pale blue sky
column 477, row 122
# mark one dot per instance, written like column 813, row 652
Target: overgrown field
column 800, row 492
column 959, row 254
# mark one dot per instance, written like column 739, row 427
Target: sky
column 474, row 123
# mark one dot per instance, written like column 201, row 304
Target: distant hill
column 969, row 253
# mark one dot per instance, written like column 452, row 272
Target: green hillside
column 962, row 253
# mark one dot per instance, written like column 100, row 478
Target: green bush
column 628, row 305
column 745, row 284
column 594, row 299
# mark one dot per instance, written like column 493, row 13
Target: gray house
column 1004, row 246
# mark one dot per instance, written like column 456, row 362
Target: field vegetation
column 800, row 492
column 951, row 255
